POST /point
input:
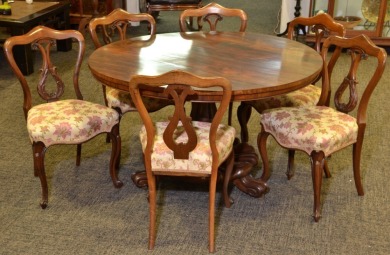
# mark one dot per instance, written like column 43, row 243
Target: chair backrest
column 359, row 48
column 322, row 25
column 117, row 21
column 43, row 39
column 180, row 88
column 212, row 14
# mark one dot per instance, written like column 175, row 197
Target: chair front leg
column 290, row 164
column 317, row 159
column 39, row 150
column 115, row 156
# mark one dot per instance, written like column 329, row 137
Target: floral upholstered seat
column 69, row 121
column 200, row 159
column 317, row 128
column 122, row 100
column 308, row 95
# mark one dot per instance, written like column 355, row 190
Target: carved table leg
column 246, row 159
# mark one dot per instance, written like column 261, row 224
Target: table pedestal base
column 245, row 159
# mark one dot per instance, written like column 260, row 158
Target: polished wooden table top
column 257, row 65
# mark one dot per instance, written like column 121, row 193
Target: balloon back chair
column 213, row 13
column 322, row 130
column 107, row 29
column 321, row 26
column 60, row 121
column 180, row 146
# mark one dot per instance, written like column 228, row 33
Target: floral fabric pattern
column 308, row 95
column 69, row 121
column 200, row 159
column 317, row 128
column 122, row 100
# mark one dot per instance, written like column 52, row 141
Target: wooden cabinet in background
column 370, row 17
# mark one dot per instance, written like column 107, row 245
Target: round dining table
column 257, row 65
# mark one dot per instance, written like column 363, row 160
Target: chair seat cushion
column 200, row 159
column 308, row 95
column 69, row 121
column 316, row 128
column 122, row 100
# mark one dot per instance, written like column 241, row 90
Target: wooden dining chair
column 322, row 130
column 321, row 26
column 180, row 146
column 57, row 120
column 116, row 26
column 213, row 13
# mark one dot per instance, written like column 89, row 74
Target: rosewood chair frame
column 43, row 39
column 359, row 48
column 179, row 87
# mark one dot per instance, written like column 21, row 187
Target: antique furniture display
column 52, row 120
column 257, row 66
column 180, row 146
column 369, row 17
column 321, row 25
column 320, row 130
column 26, row 16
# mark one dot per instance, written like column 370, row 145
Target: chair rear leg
column 316, row 165
column 152, row 210
column 357, row 148
column 326, row 168
column 230, row 113
column 290, row 165
column 212, row 190
column 39, row 150
column 226, row 179
column 78, row 156
column 115, row 156
column 262, row 146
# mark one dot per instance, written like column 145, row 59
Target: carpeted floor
column 87, row 215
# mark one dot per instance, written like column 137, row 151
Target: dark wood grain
column 257, row 65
